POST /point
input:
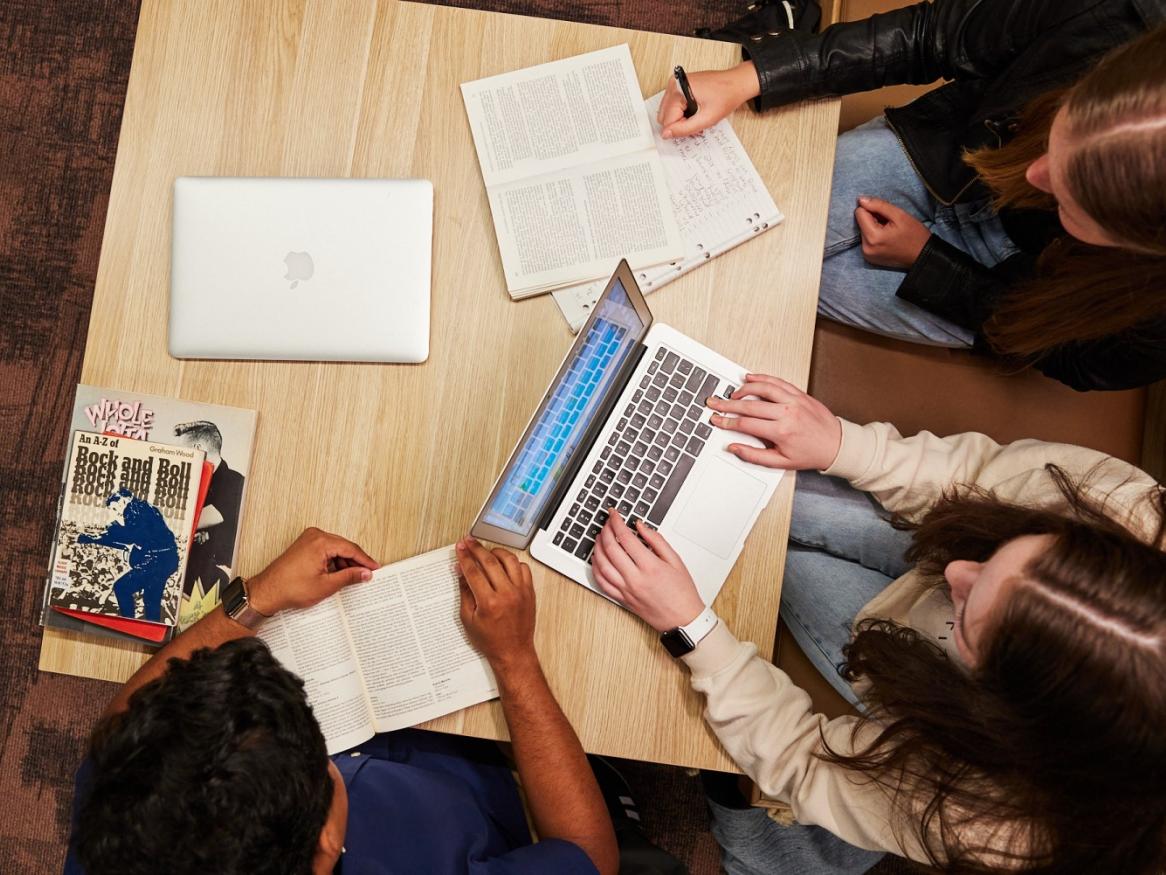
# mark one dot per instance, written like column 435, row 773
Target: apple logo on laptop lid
column 299, row 267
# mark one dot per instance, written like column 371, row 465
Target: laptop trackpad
column 720, row 507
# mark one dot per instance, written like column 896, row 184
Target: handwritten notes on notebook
column 718, row 199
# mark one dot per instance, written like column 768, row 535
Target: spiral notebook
column 719, row 201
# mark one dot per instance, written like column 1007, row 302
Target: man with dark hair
column 213, row 547
column 209, row 758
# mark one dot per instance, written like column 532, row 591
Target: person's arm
column 768, row 725
column 114, row 535
column 905, row 475
column 950, row 283
column 919, row 44
column 315, row 566
column 499, row 616
column 765, row 722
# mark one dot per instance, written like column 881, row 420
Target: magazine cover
column 125, row 529
column 226, row 435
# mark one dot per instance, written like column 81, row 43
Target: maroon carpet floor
column 63, row 75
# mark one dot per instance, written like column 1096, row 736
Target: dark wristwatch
column 237, row 606
column 683, row 639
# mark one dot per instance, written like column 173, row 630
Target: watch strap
column 704, row 623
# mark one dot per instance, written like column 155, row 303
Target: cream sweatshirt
column 768, row 725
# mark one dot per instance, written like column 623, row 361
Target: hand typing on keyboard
column 640, row 569
column 799, row 431
column 649, row 452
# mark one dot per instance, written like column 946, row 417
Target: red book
column 155, row 632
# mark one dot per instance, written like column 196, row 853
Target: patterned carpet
column 63, row 76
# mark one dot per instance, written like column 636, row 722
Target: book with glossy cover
column 227, row 436
column 124, row 532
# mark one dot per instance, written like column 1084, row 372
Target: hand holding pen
column 695, row 101
column 690, row 105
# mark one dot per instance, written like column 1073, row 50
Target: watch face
column 676, row 642
column 233, row 597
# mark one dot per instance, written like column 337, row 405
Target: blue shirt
column 425, row 802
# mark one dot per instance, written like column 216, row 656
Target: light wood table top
column 399, row 458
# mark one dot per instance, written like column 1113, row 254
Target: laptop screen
column 574, row 399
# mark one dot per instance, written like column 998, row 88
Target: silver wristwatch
column 237, row 606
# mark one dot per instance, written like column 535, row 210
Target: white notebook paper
column 571, row 170
column 718, row 199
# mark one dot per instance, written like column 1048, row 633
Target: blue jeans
column 842, row 553
column 871, row 161
column 752, row 844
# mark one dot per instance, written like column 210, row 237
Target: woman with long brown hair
column 1019, row 209
column 1007, row 651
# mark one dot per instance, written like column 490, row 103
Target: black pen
column 690, row 106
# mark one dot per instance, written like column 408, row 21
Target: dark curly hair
column 217, row 766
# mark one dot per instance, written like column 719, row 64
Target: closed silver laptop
column 301, row 269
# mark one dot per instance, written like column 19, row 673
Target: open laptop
column 624, row 424
column 301, row 269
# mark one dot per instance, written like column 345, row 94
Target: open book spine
column 384, row 654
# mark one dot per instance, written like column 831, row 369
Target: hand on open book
column 799, row 431
column 316, row 565
column 717, row 94
column 651, row 581
column 497, row 604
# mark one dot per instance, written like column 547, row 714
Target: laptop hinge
column 593, row 430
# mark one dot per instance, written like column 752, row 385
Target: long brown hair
column 1058, row 735
column 1115, row 118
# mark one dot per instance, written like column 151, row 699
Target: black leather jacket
column 998, row 55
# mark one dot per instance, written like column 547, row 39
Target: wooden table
column 399, row 458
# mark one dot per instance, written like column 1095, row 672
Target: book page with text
column 718, row 199
column 408, row 638
column 547, row 118
column 313, row 644
column 578, row 224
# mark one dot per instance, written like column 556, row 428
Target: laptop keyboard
column 645, row 460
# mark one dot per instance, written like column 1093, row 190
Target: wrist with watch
column 683, row 639
column 237, row 605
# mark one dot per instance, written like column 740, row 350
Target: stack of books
column 149, row 514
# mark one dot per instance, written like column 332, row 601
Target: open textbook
column 571, row 170
column 384, row 654
column 718, row 199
